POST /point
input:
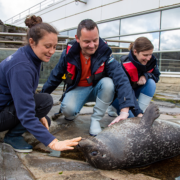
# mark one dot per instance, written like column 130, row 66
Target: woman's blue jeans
column 76, row 98
column 148, row 89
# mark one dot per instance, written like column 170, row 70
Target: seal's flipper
column 151, row 113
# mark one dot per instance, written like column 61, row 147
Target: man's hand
column 123, row 115
column 44, row 122
column 142, row 80
column 64, row 145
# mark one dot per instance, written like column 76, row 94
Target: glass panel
column 170, row 62
column 114, row 45
column 72, row 32
column 64, row 33
column 153, row 37
column 117, row 56
column 170, row 18
column 109, row 29
column 141, row 23
column 170, row 40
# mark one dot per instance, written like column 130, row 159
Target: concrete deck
column 71, row 165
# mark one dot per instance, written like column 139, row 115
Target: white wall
column 67, row 14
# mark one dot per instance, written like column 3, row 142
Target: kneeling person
column 92, row 75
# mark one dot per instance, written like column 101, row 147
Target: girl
column 141, row 67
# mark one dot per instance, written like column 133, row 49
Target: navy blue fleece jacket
column 19, row 76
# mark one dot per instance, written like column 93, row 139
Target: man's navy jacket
column 113, row 69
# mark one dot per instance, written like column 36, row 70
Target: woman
column 20, row 108
column 141, row 67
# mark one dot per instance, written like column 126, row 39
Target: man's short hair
column 89, row 24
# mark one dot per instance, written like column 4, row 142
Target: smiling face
column 144, row 56
column 45, row 47
column 89, row 41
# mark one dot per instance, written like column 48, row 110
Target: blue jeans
column 76, row 98
column 147, row 89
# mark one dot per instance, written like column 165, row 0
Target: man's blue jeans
column 76, row 98
column 147, row 89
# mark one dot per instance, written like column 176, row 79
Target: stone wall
column 11, row 29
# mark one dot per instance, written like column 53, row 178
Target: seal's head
column 97, row 154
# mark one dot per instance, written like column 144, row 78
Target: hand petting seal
column 134, row 142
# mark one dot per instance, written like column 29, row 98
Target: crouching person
column 92, row 75
column 20, row 108
column 141, row 67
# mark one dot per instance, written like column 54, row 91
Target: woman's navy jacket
column 113, row 69
column 19, row 76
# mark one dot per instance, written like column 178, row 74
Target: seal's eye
column 94, row 153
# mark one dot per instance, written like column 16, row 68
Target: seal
column 134, row 142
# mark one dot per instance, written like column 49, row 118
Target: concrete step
column 11, row 167
column 164, row 104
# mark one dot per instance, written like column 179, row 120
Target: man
column 92, row 74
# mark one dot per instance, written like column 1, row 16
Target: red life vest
column 71, row 69
column 132, row 71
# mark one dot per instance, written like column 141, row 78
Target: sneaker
column 18, row 144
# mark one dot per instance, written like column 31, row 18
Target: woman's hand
column 64, row 145
column 123, row 115
column 142, row 80
column 44, row 122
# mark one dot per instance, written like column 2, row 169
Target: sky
column 10, row 8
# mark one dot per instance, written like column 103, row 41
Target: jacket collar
column 74, row 52
column 32, row 56
column 150, row 65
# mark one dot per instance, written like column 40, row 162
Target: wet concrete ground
column 71, row 165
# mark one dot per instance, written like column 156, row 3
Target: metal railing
column 42, row 5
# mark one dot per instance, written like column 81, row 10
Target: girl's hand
column 140, row 115
column 45, row 122
column 142, row 80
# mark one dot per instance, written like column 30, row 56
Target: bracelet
column 122, row 112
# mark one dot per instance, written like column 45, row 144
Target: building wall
column 158, row 20
column 66, row 14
